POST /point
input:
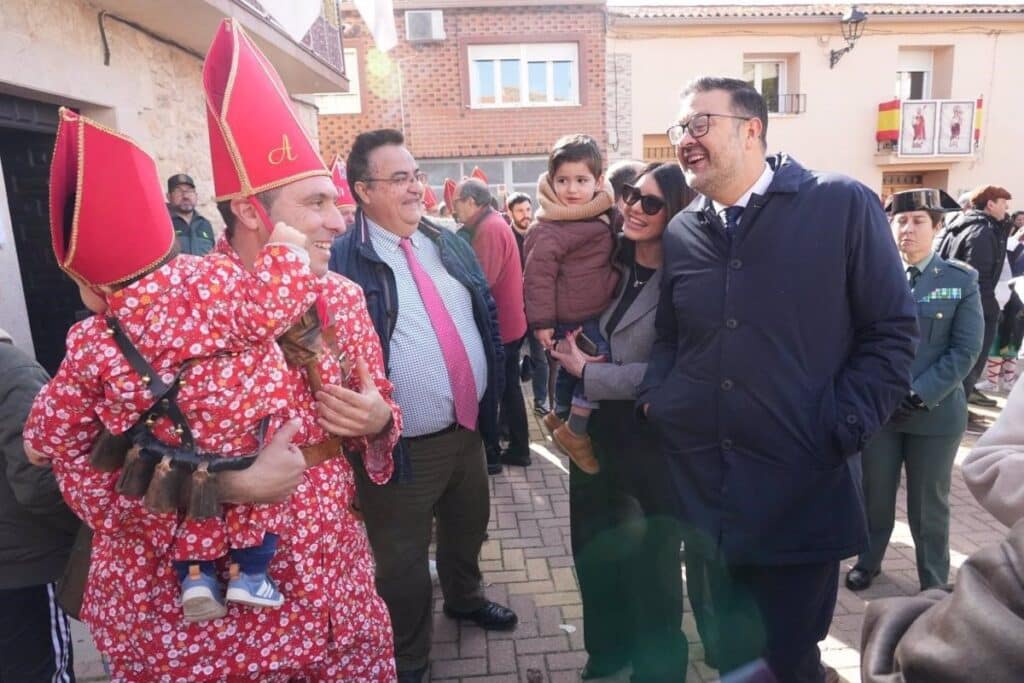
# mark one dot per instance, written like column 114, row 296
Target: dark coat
column 779, row 353
column 195, row 237
column 978, row 240
column 37, row 529
column 353, row 256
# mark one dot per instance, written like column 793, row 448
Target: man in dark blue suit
column 785, row 339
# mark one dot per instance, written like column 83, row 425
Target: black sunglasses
column 649, row 204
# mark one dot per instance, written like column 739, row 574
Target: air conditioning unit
column 424, row 26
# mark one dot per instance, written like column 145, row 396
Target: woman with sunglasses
column 625, row 542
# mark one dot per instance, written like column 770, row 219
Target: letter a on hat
column 256, row 141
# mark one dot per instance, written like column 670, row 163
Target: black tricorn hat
column 921, row 199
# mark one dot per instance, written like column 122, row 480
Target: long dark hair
column 674, row 190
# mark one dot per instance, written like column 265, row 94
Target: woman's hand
column 545, row 336
column 569, row 355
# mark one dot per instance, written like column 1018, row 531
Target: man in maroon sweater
column 495, row 247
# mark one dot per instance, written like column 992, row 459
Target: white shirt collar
column 760, row 186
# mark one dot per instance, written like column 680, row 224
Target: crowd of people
column 263, row 432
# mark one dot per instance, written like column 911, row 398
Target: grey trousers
column 449, row 482
column 929, row 464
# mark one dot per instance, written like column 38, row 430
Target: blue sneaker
column 255, row 590
column 200, row 596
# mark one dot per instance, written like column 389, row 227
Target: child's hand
column 545, row 337
column 37, row 458
column 286, row 234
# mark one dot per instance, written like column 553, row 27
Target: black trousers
column 626, row 550
column 991, row 325
column 512, row 409
column 777, row 614
column 35, row 638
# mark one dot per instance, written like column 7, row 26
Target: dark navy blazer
column 779, row 352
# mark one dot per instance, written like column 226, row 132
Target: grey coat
column 36, row 527
column 630, row 344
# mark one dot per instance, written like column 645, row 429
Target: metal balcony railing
column 786, row 104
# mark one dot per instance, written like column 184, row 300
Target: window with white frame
column 914, row 73
column 343, row 102
column 524, row 75
column 768, row 78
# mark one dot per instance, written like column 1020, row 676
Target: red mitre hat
column 340, row 178
column 449, row 194
column 429, row 198
column 478, row 174
column 256, row 141
column 105, row 191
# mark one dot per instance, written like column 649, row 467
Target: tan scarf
column 553, row 209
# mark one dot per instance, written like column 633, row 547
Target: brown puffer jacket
column 569, row 274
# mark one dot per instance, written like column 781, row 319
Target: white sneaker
column 985, row 385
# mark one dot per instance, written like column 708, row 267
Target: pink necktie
column 456, row 360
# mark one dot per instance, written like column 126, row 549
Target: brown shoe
column 552, row 422
column 578, row 448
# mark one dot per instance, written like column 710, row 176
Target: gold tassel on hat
column 135, row 475
column 163, row 493
column 109, row 451
column 204, row 499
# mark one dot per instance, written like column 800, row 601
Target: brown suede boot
column 551, row 422
column 578, row 448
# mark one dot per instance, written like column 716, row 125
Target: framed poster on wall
column 955, row 130
column 917, row 127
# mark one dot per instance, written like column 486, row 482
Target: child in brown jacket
column 569, row 274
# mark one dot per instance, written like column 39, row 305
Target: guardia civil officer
column 924, row 432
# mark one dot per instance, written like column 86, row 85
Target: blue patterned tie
column 732, row 219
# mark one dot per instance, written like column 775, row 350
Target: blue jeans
column 540, row 372
column 569, row 389
column 253, row 560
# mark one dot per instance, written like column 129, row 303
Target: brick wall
column 433, row 98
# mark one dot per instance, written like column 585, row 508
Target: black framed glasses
column 649, row 204
column 401, row 181
column 698, row 125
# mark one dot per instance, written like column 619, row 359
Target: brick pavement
column 527, row 564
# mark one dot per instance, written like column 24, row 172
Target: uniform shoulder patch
column 960, row 265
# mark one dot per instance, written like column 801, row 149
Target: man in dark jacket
column 978, row 238
column 37, row 531
column 785, row 335
column 194, row 232
column 436, row 319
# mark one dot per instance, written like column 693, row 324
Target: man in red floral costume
column 332, row 625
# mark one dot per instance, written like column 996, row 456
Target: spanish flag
column 977, row 124
column 888, row 129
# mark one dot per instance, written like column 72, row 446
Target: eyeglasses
column 698, row 125
column 401, row 181
column 649, row 204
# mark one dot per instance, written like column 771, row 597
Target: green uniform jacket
column 951, row 328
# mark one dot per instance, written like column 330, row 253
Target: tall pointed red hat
column 105, row 191
column 256, row 141
column 478, row 174
column 449, row 194
column 340, row 178
column 429, row 198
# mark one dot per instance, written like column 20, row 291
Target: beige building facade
column 937, row 60
column 136, row 67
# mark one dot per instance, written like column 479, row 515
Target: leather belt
column 453, row 427
column 320, row 453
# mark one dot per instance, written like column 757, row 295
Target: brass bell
column 178, row 430
column 146, row 379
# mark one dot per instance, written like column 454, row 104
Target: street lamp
column 852, row 25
